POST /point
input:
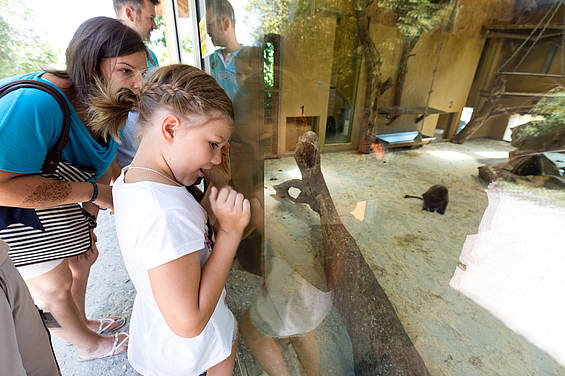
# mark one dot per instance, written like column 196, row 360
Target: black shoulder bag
column 40, row 235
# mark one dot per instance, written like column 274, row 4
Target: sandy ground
column 414, row 255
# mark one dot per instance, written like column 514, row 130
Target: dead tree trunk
column 407, row 48
column 373, row 65
column 381, row 346
column 487, row 110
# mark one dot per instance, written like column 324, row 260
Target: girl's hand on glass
column 220, row 175
column 231, row 209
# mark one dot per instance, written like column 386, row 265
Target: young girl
column 180, row 323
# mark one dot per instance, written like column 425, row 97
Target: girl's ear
column 169, row 125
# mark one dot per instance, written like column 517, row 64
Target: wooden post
column 381, row 346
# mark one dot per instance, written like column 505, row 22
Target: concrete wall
column 307, row 58
column 306, row 73
column 458, row 61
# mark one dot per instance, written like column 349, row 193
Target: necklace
column 158, row 173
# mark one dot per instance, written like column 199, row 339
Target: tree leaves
column 21, row 51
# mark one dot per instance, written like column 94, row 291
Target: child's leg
column 308, row 352
column 80, row 269
column 225, row 367
column 265, row 349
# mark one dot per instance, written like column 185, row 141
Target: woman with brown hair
column 51, row 237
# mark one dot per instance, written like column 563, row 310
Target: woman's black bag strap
column 54, row 155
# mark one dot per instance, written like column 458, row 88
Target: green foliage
column 415, row 17
column 268, row 76
column 273, row 16
column 552, row 108
column 269, row 65
column 21, row 51
column 160, row 32
column 186, row 44
column 158, row 43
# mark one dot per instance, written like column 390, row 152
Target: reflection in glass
column 393, row 291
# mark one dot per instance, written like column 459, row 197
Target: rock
column 534, row 165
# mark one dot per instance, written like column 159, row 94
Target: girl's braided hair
column 183, row 89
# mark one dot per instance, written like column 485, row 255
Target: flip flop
column 108, row 324
column 115, row 346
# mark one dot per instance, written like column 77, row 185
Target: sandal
column 115, row 346
column 109, row 324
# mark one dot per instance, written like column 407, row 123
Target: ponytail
column 109, row 108
column 183, row 89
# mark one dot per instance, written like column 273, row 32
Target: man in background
column 220, row 23
column 140, row 16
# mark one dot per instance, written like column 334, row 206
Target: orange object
column 379, row 150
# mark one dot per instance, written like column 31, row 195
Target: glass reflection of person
column 289, row 307
column 246, row 172
column 246, row 153
column 220, row 23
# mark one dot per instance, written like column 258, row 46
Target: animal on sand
column 435, row 198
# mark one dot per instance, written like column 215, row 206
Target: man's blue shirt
column 223, row 70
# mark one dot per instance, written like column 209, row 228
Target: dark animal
column 435, row 198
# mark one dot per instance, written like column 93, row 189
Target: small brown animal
column 435, row 198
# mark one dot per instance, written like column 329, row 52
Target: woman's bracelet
column 95, row 193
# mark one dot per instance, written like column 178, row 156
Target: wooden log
column 381, row 346
column 549, row 142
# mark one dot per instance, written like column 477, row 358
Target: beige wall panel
column 306, row 73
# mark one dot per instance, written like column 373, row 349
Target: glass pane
column 405, row 165
column 351, row 278
column 185, row 29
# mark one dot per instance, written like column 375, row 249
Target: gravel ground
column 109, row 293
